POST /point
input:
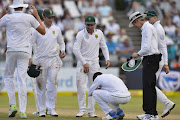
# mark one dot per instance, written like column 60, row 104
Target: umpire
column 151, row 58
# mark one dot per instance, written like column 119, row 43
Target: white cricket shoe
column 23, row 115
column 141, row 116
column 12, row 111
column 42, row 114
column 92, row 115
column 147, row 117
column 108, row 117
column 35, row 113
column 167, row 109
column 52, row 112
column 81, row 114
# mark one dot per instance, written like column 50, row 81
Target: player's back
column 113, row 84
column 18, row 25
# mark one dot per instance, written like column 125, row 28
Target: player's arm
column 94, row 86
column 105, row 51
column 77, row 53
column 4, row 11
column 40, row 28
column 61, row 43
column 162, row 45
column 76, row 49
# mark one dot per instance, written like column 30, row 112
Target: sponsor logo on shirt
column 162, row 37
column 53, row 32
column 96, row 35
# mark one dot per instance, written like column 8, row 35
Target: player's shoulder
column 98, row 31
column 81, row 32
column 55, row 27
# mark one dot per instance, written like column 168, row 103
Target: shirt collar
column 86, row 32
column 157, row 22
column 17, row 11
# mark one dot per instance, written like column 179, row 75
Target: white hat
column 134, row 16
column 18, row 3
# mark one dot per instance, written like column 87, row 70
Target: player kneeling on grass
column 108, row 88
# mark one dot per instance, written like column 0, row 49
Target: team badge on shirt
column 96, row 35
column 53, row 32
column 162, row 37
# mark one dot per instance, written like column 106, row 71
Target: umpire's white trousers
column 81, row 83
column 160, row 95
column 50, row 68
column 20, row 61
column 104, row 97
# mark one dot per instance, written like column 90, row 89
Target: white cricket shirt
column 149, row 42
column 18, row 25
column 110, row 83
column 161, row 41
column 47, row 44
column 86, row 46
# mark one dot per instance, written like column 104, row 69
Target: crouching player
column 108, row 88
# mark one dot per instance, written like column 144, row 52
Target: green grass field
column 67, row 108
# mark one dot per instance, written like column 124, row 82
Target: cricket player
column 18, row 25
column 40, row 13
column 151, row 16
column 86, row 49
column 109, row 89
column 48, row 58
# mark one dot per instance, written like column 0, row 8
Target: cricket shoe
column 120, row 113
column 23, row 115
column 111, row 116
column 42, row 114
column 35, row 113
column 147, row 117
column 81, row 114
column 167, row 109
column 140, row 117
column 52, row 112
column 12, row 111
column 92, row 115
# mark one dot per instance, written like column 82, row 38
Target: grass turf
column 67, row 108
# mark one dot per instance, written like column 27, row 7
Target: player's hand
column 63, row 54
column 134, row 55
column 5, row 10
column 30, row 61
column 34, row 11
column 86, row 68
column 108, row 64
column 166, row 69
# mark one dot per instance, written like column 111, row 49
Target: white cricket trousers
column 104, row 97
column 20, row 61
column 160, row 95
column 50, row 68
column 81, row 83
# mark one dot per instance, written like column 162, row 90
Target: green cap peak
column 48, row 13
column 90, row 20
column 150, row 13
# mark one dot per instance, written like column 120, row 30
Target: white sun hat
column 134, row 16
column 18, row 3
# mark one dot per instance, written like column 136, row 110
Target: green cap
column 90, row 20
column 40, row 13
column 150, row 13
column 48, row 13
